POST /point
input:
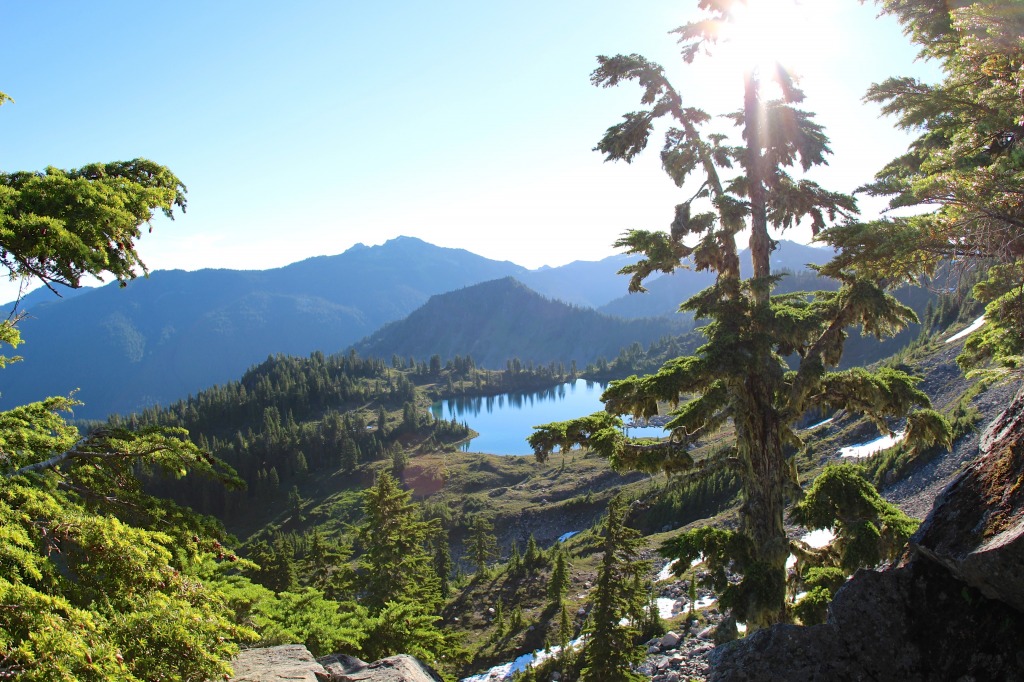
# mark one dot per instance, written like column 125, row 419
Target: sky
column 303, row 128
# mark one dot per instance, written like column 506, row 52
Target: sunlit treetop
column 59, row 226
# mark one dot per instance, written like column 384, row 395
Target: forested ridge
column 315, row 500
column 290, row 418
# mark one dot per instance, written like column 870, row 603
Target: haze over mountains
column 501, row 319
column 177, row 332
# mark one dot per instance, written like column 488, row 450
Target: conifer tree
column 565, row 627
column 558, row 584
column 515, row 621
column 533, row 558
column 515, row 559
column 443, row 563
column 91, row 565
column 481, row 546
column 611, row 648
column 740, row 376
column 966, row 165
column 395, row 565
column 868, row 529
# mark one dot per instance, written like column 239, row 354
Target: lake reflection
column 505, row 421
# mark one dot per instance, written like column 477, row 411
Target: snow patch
column 970, row 329
column 668, row 607
column 506, row 670
column 821, row 423
column 565, row 536
column 871, row 447
column 822, row 537
column 819, row 538
column 666, row 571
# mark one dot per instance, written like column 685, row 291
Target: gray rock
column 291, row 662
column 976, row 528
column 670, row 640
column 340, row 665
column 400, row 668
column 294, row 663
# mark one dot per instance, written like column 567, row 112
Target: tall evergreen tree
column 740, row 376
column 395, row 564
column 558, row 585
column 533, row 558
column 481, row 546
column 443, row 563
column 612, row 646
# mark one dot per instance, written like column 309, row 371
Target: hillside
column 176, row 332
column 497, row 321
column 665, row 293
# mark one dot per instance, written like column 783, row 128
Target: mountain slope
column 176, row 332
column 496, row 321
column 665, row 293
column 588, row 283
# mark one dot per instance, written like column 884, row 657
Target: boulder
column 916, row 623
column 670, row 640
column 291, row 662
column 976, row 528
column 294, row 663
column 400, row 668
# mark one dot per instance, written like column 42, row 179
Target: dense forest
column 316, row 500
column 291, row 418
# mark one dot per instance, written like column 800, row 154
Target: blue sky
column 305, row 127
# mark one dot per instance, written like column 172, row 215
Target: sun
column 760, row 34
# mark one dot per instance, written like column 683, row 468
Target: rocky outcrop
column 291, row 662
column 954, row 610
column 976, row 529
column 399, row 668
column 294, row 663
column 916, row 623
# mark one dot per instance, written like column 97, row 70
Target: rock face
column 399, row 668
column 953, row 611
column 294, row 663
column 976, row 529
column 915, row 623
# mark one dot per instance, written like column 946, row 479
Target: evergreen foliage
column 481, row 546
column 612, row 645
column 396, row 576
column 869, row 530
column 967, row 164
column 291, row 417
column 740, row 376
column 443, row 564
column 395, row 565
column 99, row 580
column 558, row 583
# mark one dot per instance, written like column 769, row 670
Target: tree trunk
column 760, row 242
column 759, row 441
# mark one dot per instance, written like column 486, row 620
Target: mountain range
column 531, row 328
column 175, row 332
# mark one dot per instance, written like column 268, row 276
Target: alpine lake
column 505, row 421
